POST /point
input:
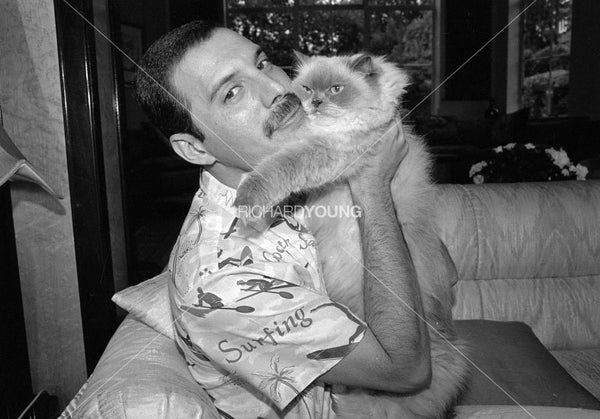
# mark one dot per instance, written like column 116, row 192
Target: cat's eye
column 336, row 88
column 262, row 64
column 307, row 89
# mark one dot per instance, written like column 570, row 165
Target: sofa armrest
column 141, row 375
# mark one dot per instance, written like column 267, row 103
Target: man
column 251, row 312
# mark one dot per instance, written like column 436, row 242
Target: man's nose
column 270, row 91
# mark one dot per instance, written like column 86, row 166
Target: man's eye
column 336, row 88
column 263, row 64
column 307, row 89
column 231, row 93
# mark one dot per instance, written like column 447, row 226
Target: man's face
column 236, row 97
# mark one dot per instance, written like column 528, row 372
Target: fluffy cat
column 338, row 129
column 348, row 100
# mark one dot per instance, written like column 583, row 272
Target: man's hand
column 380, row 163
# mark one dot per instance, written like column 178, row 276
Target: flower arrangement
column 526, row 163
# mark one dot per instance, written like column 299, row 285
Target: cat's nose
column 316, row 102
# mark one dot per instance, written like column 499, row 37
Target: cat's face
column 331, row 87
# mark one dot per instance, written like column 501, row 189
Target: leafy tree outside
column 546, row 43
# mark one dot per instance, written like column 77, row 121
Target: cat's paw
column 249, row 203
column 253, row 195
column 255, row 221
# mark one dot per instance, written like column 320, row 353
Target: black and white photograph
column 300, row 209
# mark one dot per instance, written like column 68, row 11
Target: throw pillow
column 148, row 301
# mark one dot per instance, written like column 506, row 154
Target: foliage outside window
column 401, row 29
column 546, row 44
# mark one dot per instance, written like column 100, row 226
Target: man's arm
column 394, row 355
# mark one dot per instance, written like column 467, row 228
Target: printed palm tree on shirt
column 230, row 379
column 283, row 376
column 196, row 216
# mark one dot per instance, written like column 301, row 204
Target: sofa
column 528, row 297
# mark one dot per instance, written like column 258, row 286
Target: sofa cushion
column 524, row 412
column 584, row 366
column 518, row 369
column 527, row 252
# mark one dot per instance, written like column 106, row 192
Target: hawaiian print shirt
column 252, row 316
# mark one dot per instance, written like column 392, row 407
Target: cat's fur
column 335, row 138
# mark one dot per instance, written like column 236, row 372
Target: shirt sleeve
column 265, row 325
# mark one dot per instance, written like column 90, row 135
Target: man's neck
column 229, row 176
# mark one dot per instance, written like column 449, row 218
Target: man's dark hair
column 153, row 85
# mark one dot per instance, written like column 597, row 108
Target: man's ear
column 191, row 149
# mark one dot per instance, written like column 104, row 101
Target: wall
column 31, row 101
column 584, row 84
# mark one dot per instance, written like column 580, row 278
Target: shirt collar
column 216, row 191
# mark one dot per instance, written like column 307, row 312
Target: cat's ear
column 301, row 59
column 362, row 63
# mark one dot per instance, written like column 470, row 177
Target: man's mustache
column 289, row 103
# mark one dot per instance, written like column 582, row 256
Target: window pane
column 543, row 100
column 232, row 4
column 406, row 37
column 546, row 54
column 272, row 31
column 331, row 33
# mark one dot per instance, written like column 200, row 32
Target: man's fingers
column 393, row 142
column 404, row 148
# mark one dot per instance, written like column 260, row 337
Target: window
column 546, row 44
column 401, row 29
